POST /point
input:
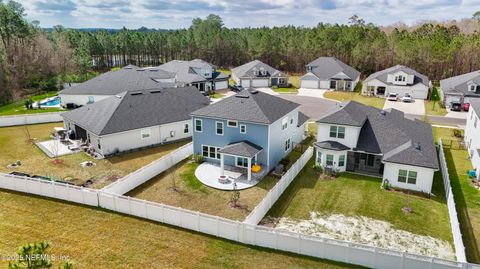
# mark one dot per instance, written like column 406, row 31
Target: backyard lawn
column 18, row 107
column 34, row 161
column 94, row 238
column 341, row 96
column 358, row 195
column 467, row 198
column 192, row 194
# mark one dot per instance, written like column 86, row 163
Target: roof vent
column 254, row 91
column 418, row 146
column 136, row 93
column 140, row 70
column 118, row 96
column 155, row 91
column 383, row 112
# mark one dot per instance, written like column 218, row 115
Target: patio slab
column 208, row 174
column 50, row 146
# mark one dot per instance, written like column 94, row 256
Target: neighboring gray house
column 257, row 74
column 198, row 73
column 397, row 79
column 363, row 139
column 248, row 128
column 461, row 88
column 136, row 119
column 128, row 78
column 472, row 134
column 330, row 73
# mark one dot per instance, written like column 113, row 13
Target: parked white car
column 407, row 98
column 392, row 96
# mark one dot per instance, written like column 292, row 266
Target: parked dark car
column 466, row 106
column 456, row 106
column 20, row 174
column 237, row 88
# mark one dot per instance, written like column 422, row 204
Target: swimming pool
column 55, row 101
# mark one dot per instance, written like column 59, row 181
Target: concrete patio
column 58, row 148
column 208, row 174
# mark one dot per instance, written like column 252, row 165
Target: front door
column 333, row 84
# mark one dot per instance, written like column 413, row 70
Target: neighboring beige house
column 135, row 119
column 256, row 74
column 472, row 134
column 398, row 79
column 330, row 73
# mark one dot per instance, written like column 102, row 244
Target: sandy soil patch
column 367, row 231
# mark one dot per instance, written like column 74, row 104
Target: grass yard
column 434, row 108
column 357, row 195
column 193, row 195
column 291, row 90
column 18, row 107
column 34, row 161
column 467, row 198
column 94, row 238
column 341, row 96
column 217, row 95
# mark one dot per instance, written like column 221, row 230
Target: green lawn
column 193, row 195
column 94, row 238
column 358, row 195
column 467, row 198
column 34, row 161
column 291, row 90
column 341, row 96
column 434, row 108
column 18, row 107
column 217, row 95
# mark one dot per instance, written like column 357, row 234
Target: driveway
column 315, row 108
column 311, row 92
column 416, row 107
column 457, row 114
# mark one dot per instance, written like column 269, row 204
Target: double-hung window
column 337, row 131
column 219, row 128
column 210, row 152
column 242, row 162
column 319, row 157
column 243, row 128
column 329, row 160
column 405, row 176
column 341, row 161
column 185, row 128
column 198, row 125
column 284, row 123
column 288, row 144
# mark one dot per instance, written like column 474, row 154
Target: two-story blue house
column 248, row 128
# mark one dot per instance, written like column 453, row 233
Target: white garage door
column 260, row 83
column 415, row 93
column 309, row 84
column 219, row 85
column 245, row 83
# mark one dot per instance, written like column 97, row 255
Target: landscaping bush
column 285, row 162
column 198, row 158
column 457, row 133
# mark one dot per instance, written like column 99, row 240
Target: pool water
column 52, row 102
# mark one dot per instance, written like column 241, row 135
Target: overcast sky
column 174, row 14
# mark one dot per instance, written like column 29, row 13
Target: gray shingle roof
column 475, row 105
column 459, row 84
column 127, row 78
column 249, row 106
column 383, row 75
column 399, row 139
column 331, row 145
column 247, row 70
column 138, row 109
column 185, row 72
column 329, row 67
column 242, row 148
column 302, row 118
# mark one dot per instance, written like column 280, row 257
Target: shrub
column 285, row 161
column 317, row 168
column 198, row 158
column 457, row 133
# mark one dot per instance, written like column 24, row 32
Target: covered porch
column 365, row 163
column 341, row 84
column 245, row 154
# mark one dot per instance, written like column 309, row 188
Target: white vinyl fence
column 272, row 196
column 14, row 120
column 452, row 211
column 147, row 172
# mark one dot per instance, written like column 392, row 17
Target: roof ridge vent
column 383, row 112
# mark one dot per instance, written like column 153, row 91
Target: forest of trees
column 32, row 56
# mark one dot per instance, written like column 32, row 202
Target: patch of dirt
column 366, row 231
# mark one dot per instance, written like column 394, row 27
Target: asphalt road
column 315, row 108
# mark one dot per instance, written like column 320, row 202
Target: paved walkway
column 208, row 174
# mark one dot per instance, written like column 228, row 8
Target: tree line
column 45, row 58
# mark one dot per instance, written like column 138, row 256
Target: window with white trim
column 145, row 133
column 281, row 81
column 475, row 122
column 291, row 121
column 319, row 157
column 243, row 128
column 337, row 131
column 219, row 128
column 232, row 123
column 210, row 152
column 241, row 162
column 288, row 144
column 284, row 123
column 341, row 161
column 329, row 160
column 185, row 128
column 406, row 176
column 198, row 125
